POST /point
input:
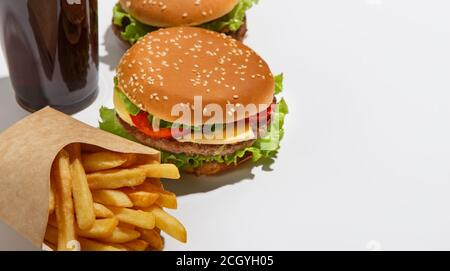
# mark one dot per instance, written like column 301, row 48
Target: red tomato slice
column 141, row 122
column 262, row 117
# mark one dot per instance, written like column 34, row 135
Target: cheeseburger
column 132, row 19
column 202, row 98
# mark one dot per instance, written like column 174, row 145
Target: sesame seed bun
column 166, row 13
column 171, row 66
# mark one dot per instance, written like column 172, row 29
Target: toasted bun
column 169, row 67
column 165, row 13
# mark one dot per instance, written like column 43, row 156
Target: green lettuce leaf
column 134, row 30
column 233, row 20
column 129, row 106
column 110, row 123
column 278, row 83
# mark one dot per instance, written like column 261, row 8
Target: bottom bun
column 213, row 168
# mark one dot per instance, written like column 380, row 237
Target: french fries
column 102, row 228
column 107, row 201
column 153, row 238
column 168, row 224
column 102, row 161
column 122, row 235
column 101, row 211
column 116, row 178
column 51, row 235
column 51, row 202
column 155, row 181
column 141, row 198
column 131, row 159
column 165, row 199
column 65, row 213
column 112, row 197
column 90, row 245
column 137, row 245
column 138, row 218
column 82, row 197
column 166, row 171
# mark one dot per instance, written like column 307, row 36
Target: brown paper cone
column 27, row 151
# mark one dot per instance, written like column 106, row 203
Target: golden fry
column 51, row 235
column 168, row 224
column 141, row 198
column 51, row 203
column 112, row 198
column 52, row 220
column 137, row 245
column 138, row 218
column 82, row 197
column 116, row 178
column 90, row 245
column 149, row 187
column 168, row 200
column 102, row 228
column 165, row 199
column 101, row 211
column 153, row 238
column 155, row 181
column 102, row 161
column 167, row 171
column 131, row 159
column 121, row 235
column 62, row 181
column 127, row 226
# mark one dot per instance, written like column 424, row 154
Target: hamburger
column 132, row 19
column 196, row 72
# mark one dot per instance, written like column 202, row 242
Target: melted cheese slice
column 241, row 136
column 121, row 110
column 238, row 135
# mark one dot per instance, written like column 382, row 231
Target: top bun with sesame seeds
column 166, row 13
column 172, row 66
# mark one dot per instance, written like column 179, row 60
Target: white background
column 365, row 161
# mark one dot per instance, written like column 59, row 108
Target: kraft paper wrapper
column 27, row 151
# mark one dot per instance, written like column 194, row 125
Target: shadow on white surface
column 10, row 240
column 10, row 111
column 115, row 49
column 191, row 184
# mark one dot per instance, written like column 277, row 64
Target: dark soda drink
column 51, row 48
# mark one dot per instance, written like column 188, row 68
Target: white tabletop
column 365, row 161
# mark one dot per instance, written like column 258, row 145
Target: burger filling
column 129, row 121
column 232, row 23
